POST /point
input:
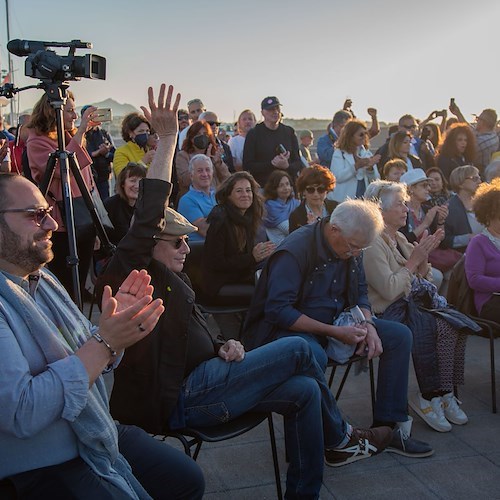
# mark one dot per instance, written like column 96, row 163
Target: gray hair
column 199, row 157
column 384, row 193
column 492, row 170
column 358, row 216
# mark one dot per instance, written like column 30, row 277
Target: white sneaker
column 431, row 412
column 452, row 412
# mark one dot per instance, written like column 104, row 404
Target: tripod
column 56, row 93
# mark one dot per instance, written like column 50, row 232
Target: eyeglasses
column 177, row 243
column 212, row 123
column 39, row 214
column 314, row 189
column 354, row 249
column 475, row 178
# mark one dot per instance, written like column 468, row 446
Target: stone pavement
column 466, row 463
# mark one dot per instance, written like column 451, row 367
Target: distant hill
column 118, row 109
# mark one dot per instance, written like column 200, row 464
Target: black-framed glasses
column 39, row 214
column 177, row 243
column 314, row 189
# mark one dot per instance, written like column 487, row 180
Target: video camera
column 45, row 64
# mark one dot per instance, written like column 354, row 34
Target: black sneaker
column 363, row 444
column 403, row 444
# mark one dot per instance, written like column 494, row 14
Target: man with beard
column 57, row 438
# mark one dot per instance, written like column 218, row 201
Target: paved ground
column 466, row 463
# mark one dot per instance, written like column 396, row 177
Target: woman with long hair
column 438, row 188
column 457, row 149
column 199, row 139
column 280, row 203
column 232, row 252
column 399, row 147
column 353, row 165
column 41, row 142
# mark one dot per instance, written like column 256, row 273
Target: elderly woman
column 461, row 224
column 457, row 149
column 482, row 260
column 136, row 132
column 353, row 165
column 399, row 147
column 313, row 184
column 399, row 289
column 280, row 203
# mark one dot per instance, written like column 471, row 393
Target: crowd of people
column 285, row 233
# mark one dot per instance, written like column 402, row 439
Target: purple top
column 482, row 267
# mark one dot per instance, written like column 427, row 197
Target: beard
column 27, row 257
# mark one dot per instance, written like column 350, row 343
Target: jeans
column 282, row 377
column 164, row 472
column 392, row 383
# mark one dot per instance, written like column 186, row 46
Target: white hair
column 384, row 193
column 199, row 157
column 358, row 216
column 492, row 170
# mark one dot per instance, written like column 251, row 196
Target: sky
column 395, row 56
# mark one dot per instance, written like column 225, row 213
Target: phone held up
column 102, row 115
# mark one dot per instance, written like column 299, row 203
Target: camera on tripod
column 45, row 64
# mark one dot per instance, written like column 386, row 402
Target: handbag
column 336, row 349
column 444, row 258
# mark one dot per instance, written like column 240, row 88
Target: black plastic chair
column 190, row 437
column 354, row 359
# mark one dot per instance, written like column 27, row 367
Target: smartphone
column 452, row 101
column 102, row 115
column 281, row 150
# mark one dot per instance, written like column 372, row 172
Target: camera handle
column 67, row 162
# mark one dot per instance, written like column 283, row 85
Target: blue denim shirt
column 325, row 150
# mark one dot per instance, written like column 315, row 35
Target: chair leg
column 92, row 302
column 493, row 375
column 197, row 449
column 275, row 457
column 332, row 374
column 342, row 383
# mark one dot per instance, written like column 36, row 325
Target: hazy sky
column 396, row 56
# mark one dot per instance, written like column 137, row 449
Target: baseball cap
column 269, row 102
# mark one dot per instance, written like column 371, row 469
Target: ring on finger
column 141, row 328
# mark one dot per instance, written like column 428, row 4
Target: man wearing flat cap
column 271, row 145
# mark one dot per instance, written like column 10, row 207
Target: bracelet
column 102, row 341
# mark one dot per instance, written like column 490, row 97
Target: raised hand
column 162, row 115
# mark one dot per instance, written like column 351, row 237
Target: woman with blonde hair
column 399, row 147
column 246, row 122
column 353, row 165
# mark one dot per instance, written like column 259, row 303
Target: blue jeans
column 282, row 377
column 392, row 384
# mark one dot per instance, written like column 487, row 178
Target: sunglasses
column 177, row 243
column 183, row 117
column 212, row 123
column 314, row 189
column 39, row 214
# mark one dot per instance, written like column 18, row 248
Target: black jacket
column 298, row 217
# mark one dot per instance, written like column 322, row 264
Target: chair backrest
column 460, row 293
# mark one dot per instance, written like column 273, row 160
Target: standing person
column 271, row 145
column 326, row 143
column 158, row 384
column 42, row 140
column 313, row 185
column 457, row 149
column 57, row 437
column 306, row 141
column 353, row 165
column 184, row 119
column 199, row 201
column 399, row 148
column 195, row 109
column 246, row 122
column 101, row 149
column 211, row 118
column 279, row 205
column 135, row 132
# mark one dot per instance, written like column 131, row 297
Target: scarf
column 278, row 211
column 94, row 427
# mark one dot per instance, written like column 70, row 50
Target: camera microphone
column 23, row 48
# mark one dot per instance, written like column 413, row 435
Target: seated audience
column 199, row 139
column 492, row 171
column 353, row 165
column 232, row 251
column 198, row 202
column 313, row 185
column 280, row 203
column 246, row 122
column 399, row 148
column 57, row 437
column 461, row 224
column 399, row 289
column 438, row 188
column 457, row 149
column 157, row 385
column 394, row 169
column 314, row 275
column 482, row 259
column 135, row 132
